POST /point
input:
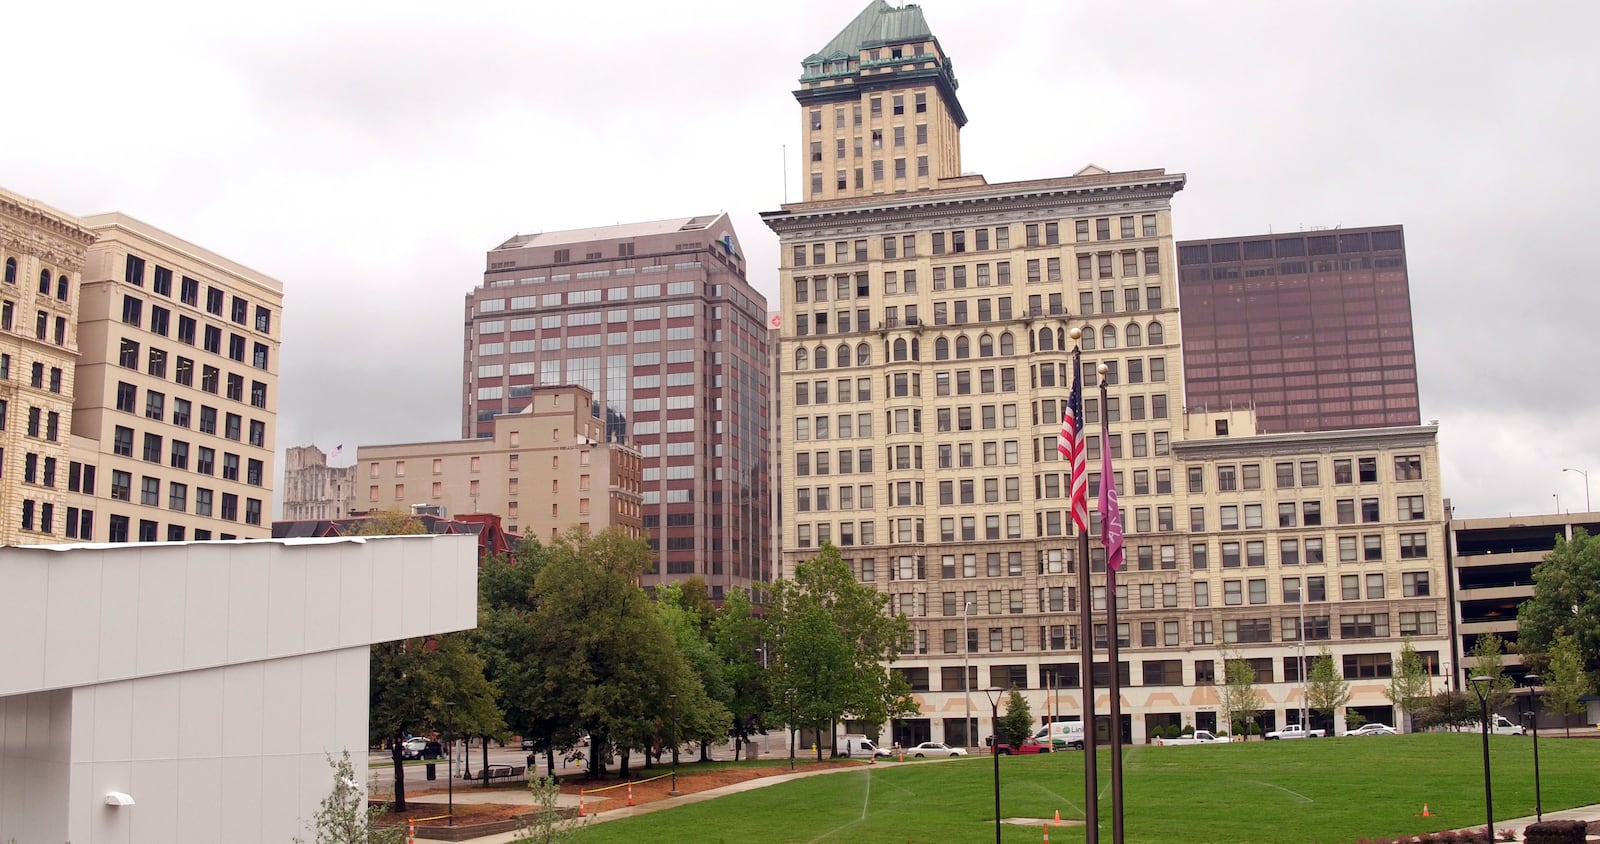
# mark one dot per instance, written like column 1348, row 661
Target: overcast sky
column 368, row 154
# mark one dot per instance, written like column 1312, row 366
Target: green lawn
column 1323, row 790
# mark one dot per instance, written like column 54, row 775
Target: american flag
column 1070, row 444
column 337, row 450
column 1110, row 512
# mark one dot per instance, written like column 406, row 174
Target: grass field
column 1326, row 790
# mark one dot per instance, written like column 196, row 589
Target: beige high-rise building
column 925, row 360
column 177, row 386
column 543, row 469
column 314, row 490
column 43, row 252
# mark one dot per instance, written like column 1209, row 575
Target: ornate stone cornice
column 953, row 207
column 33, row 228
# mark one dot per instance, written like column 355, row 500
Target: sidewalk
column 603, row 814
column 1581, row 813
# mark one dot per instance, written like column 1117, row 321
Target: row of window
column 205, row 458
column 1154, row 672
column 161, row 323
column 122, row 529
column 61, row 287
column 41, row 324
column 178, row 498
column 233, row 424
column 891, row 247
column 42, row 424
column 964, row 312
column 238, row 308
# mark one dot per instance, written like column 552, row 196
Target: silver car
column 1373, row 729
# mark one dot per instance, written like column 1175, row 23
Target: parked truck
column 1199, row 737
column 1294, row 731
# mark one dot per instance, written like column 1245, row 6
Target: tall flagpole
column 1111, row 527
column 1091, row 756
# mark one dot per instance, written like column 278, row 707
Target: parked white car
column 1373, row 729
column 1500, row 726
column 1294, row 731
column 937, row 748
column 1199, row 737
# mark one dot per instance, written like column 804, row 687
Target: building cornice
column 1306, row 442
column 121, row 227
column 1008, row 197
column 32, row 228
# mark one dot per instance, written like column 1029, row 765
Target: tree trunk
column 549, row 763
column 705, row 752
column 737, row 742
column 485, row 761
column 627, row 757
column 399, row 804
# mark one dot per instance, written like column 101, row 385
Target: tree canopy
column 1410, row 683
column 1566, row 596
column 1326, row 689
column 834, row 641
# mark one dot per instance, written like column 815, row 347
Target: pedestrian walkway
column 1517, row 825
column 617, row 813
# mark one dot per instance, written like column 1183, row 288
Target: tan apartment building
column 177, row 387
column 924, row 362
column 314, row 490
column 543, row 469
column 43, row 253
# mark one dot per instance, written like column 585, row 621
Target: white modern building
column 192, row 692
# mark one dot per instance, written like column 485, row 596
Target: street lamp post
column 966, row 676
column 1587, row 508
column 1533, row 703
column 674, row 703
column 450, row 767
column 1481, row 685
column 994, row 707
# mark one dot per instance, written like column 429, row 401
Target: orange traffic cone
column 1058, row 817
column 630, row 792
column 580, row 802
column 1425, row 812
column 411, row 831
column 1046, row 834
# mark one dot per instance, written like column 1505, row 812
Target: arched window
column 1086, row 342
column 1008, row 345
column 44, row 282
column 900, row 348
column 1047, row 340
column 986, row 346
column 963, row 347
column 802, row 359
column 916, row 349
column 863, row 355
column 11, row 271
column 822, row 357
column 1156, row 334
column 1132, row 335
column 841, row 356
column 1108, row 337
column 1061, row 339
column 941, row 349
column 61, row 287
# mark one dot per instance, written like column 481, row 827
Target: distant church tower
column 879, row 113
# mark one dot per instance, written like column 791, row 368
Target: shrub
column 1188, row 730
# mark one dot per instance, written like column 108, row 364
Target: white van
column 856, row 744
column 1059, row 733
column 1498, row 725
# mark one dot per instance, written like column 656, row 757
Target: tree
column 1565, row 681
column 343, row 816
column 1487, row 650
column 411, row 680
column 739, row 639
column 1566, row 596
column 1410, row 685
column 1239, row 699
column 1326, row 689
column 1017, row 724
column 606, row 663
column 835, row 642
column 704, row 715
column 1450, row 709
column 389, row 523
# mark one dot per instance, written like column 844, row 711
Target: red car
column 1028, row 746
